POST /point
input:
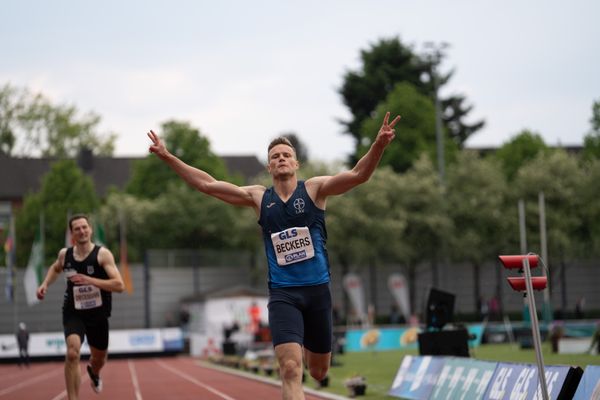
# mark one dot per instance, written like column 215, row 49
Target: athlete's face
column 81, row 231
column 282, row 161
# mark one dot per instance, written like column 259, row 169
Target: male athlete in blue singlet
column 292, row 216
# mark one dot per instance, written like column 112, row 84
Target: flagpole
column 13, row 271
column 123, row 263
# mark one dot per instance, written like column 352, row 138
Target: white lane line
column 63, row 395
column 134, row 380
column 28, row 382
column 194, row 380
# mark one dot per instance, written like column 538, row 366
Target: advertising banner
column 382, row 339
column 520, row 381
column 356, row 293
column 399, row 289
column 463, row 378
column 589, row 386
column 121, row 341
column 416, row 377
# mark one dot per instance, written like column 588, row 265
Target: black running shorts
column 301, row 315
column 94, row 327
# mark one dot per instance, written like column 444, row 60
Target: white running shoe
column 94, row 380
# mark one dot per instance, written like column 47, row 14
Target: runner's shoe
column 95, row 380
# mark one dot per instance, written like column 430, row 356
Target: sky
column 244, row 72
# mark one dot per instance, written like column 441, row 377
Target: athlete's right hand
column 41, row 292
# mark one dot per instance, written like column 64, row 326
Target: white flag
column 35, row 267
column 399, row 289
column 355, row 290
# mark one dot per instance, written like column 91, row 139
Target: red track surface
column 178, row 378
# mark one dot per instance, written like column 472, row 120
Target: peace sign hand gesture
column 387, row 133
column 157, row 147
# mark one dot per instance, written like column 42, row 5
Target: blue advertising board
column 520, row 381
column 589, row 386
column 416, row 377
column 383, row 339
column 463, row 378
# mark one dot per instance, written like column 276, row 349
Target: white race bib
column 293, row 245
column 86, row 297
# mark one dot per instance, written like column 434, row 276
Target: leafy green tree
column 415, row 133
column 150, row 176
column 179, row 218
column 65, row 188
column 386, row 64
column 423, row 199
column 476, row 203
column 521, row 149
column 31, row 125
column 591, row 142
column 11, row 106
column 134, row 211
column 589, row 193
column 559, row 177
column 363, row 223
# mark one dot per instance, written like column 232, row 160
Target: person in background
column 92, row 276
column 23, row 343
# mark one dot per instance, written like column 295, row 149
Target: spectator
column 23, row 342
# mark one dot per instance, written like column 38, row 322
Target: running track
column 178, row 378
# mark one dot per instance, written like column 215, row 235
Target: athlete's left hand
column 80, row 279
column 387, row 133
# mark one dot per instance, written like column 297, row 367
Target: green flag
column 99, row 236
column 34, row 274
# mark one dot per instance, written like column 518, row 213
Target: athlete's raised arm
column 228, row 192
column 323, row 186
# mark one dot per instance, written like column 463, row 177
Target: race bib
column 293, row 245
column 86, row 297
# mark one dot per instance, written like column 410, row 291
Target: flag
column 125, row 272
column 35, row 266
column 399, row 289
column 353, row 285
column 68, row 237
column 99, row 236
column 9, row 250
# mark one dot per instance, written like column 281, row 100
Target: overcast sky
column 245, row 71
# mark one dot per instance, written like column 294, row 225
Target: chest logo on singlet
column 90, row 269
column 293, row 245
column 299, row 205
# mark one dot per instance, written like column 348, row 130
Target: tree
column 591, row 142
column 476, row 200
column 11, row 106
column 364, row 222
column 65, row 188
column 387, row 63
column 559, row 177
column 31, row 125
column 416, row 129
column 150, row 176
column 517, row 152
column 589, row 193
column 422, row 198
